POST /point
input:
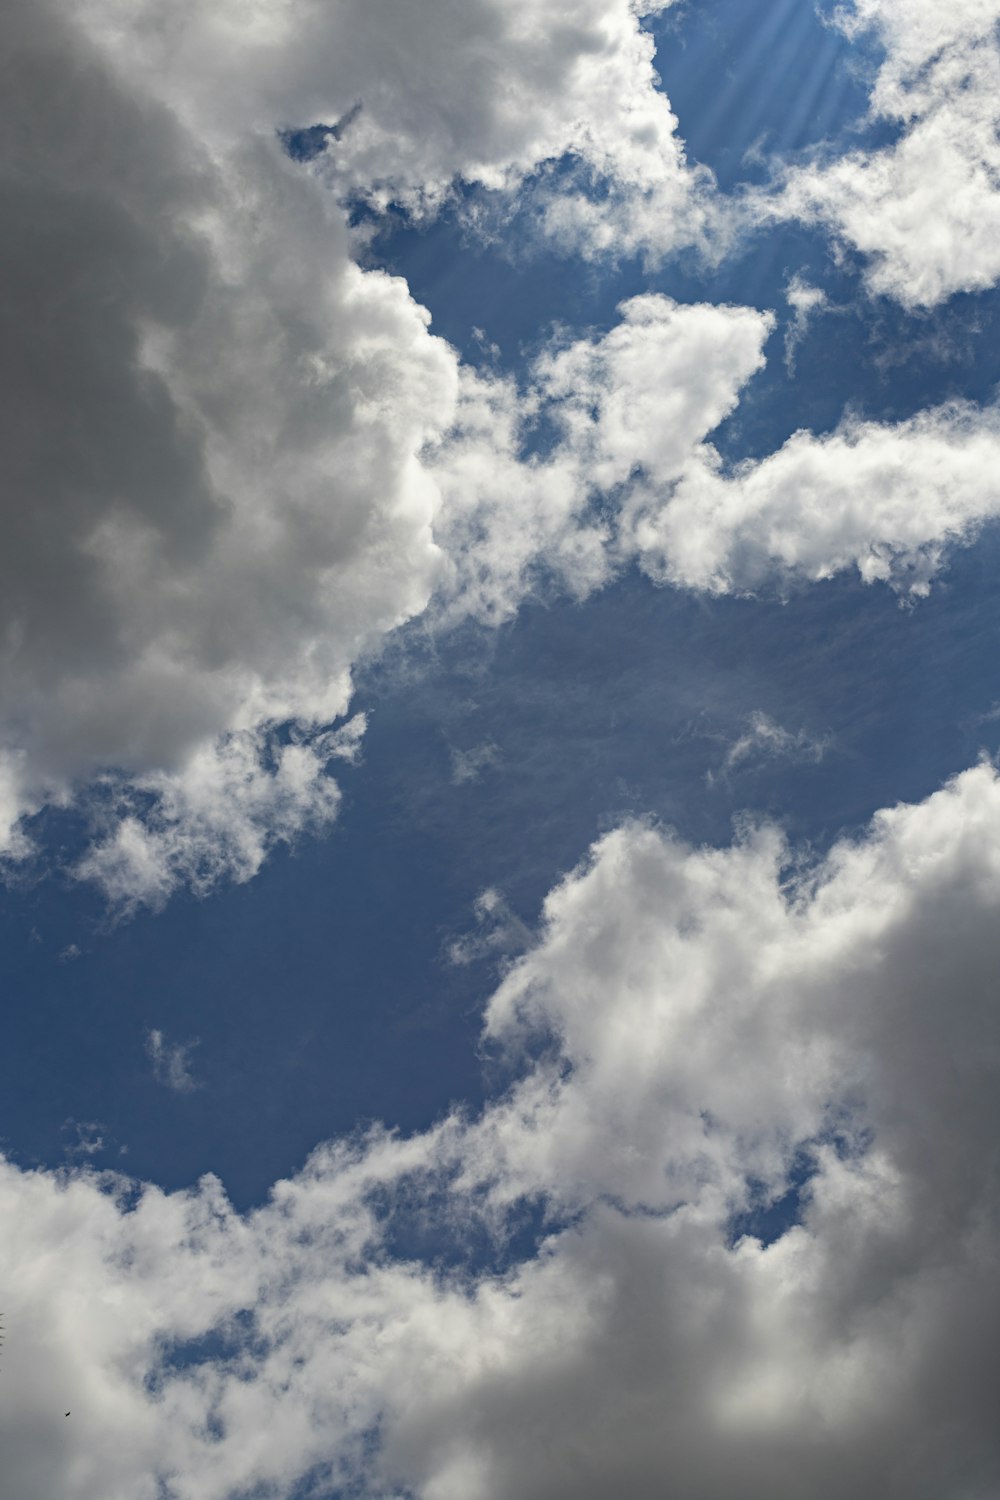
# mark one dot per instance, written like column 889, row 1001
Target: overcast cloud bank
column 716, row 1018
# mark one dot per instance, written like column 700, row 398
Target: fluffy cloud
column 694, row 1024
column 925, row 210
column 212, row 418
column 422, row 98
column 604, row 458
column 887, row 499
column 232, row 460
column 600, row 412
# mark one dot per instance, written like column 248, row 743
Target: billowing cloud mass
column 700, row 1030
column 419, row 98
column 213, row 419
column 886, row 499
column 211, row 422
column 925, row 210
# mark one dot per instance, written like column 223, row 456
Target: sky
column 499, row 733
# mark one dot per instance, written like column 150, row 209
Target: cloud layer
column 213, row 419
column 699, row 1029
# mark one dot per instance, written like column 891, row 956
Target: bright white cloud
column 886, row 499
column 628, row 473
column 426, row 96
column 925, row 211
column 639, row 400
column 710, row 1014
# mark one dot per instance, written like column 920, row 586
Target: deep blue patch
column 308, row 143
column 758, row 81
column 768, row 1218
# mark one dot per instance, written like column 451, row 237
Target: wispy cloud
column 171, row 1061
column 805, row 301
column 469, row 765
column 764, row 739
column 498, row 931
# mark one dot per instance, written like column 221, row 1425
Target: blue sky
column 497, row 750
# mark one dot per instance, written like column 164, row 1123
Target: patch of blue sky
column 424, row 1227
column 753, row 82
column 768, row 1218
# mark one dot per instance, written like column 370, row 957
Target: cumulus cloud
column 925, row 210
column 233, row 460
column 604, row 458
column 213, row 500
column 693, row 1023
column 637, row 400
column 213, row 420
column 420, row 99
column 885, row 498
column 217, row 818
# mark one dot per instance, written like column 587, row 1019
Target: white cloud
column 425, row 97
column 171, row 1061
column 710, row 1014
column 231, row 456
column 805, row 301
column 499, row 931
column 639, row 400
column 924, row 211
column 629, row 473
column 214, row 420
column 217, row 819
column 888, row 499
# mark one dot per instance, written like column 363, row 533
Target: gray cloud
column 425, row 102
column 212, row 497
